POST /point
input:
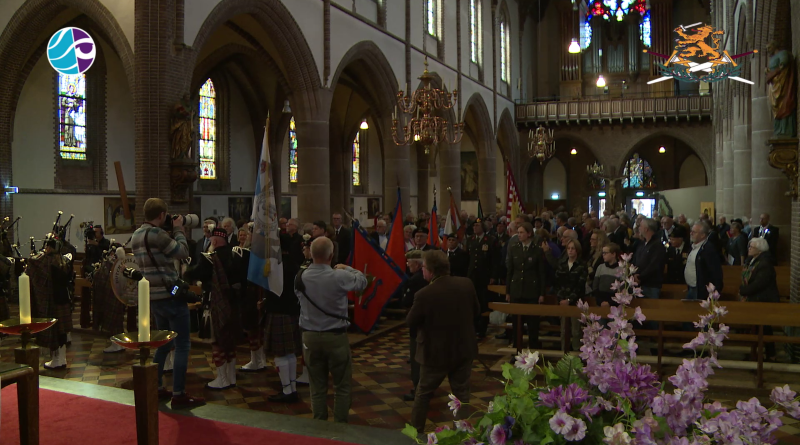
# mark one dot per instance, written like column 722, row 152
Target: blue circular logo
column 71, row 51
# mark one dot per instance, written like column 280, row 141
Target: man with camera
column 96, row 244
column 322, row 292
column 156, row 251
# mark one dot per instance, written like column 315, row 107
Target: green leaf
column 410, row 431
column 547, row 439
column 568, row 368
column 622, row 343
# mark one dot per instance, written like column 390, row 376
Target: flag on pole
column 452, row 223
column 265, row 269
column 514, row 205
column 433, row 227
column 396, row 246
column 384, row 277
column 480, row 210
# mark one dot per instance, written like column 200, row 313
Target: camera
column 190, row 221
column 88, row 230
column 180, row 290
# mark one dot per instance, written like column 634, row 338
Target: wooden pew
column 662, row 311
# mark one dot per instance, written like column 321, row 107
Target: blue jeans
column 691, row 293
column 171, row 314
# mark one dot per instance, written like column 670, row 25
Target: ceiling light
column 662, row 150
column 574, row 47
column 554, row 196
column 364, row 125
column 601, row 82
column 573, row 152
column 602, row 194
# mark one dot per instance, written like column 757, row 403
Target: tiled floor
column 380, row 379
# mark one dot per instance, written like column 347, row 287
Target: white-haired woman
column 759, row 282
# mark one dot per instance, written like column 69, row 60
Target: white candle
column 24, row 299
column 144, row 310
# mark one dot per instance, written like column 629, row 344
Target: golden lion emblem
column 694, row 44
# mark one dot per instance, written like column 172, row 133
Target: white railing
column 619, row 109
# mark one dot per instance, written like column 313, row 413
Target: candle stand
column 145, row 382
column 27, row 355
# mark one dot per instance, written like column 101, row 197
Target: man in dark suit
column 768, row 232
column 421, row 239
column 482, row 250
column 415, row 282
column 342, row 237
column 459, row 259
column 443, row 312
column 202, row 245
column 677, row 254
column 379, row 236
column 703, row 265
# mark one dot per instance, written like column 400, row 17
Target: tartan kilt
column 282, row 335
column 108, row 311
column 250, row 313
column 49, row 338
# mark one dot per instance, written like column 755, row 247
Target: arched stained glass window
column 357, row 160
column 474, row 29
column 72, row 116
column 615, row 10
column 504, row 45
column 208, row 131
column 645, row 29
column 432, row 17
column 638, row 174
column 292, row 151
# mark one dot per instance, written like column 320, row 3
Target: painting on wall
column 114, row 216
column 240, row 209
column 708, row 209
column 286, row 207
column 469, row 176
column 373, row 207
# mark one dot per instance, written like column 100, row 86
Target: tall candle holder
column 145, row 382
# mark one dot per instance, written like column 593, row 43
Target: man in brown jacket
column 444, row 313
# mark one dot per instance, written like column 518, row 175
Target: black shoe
column 503, row 336
column 409, row 397
column 284, row 398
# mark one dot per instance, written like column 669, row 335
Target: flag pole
column 267, row 263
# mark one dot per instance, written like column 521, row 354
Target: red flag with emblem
column 384, row 277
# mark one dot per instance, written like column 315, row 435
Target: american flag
column 514, row 205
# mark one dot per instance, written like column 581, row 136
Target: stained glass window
column 639, row 174
column 432, row 16
column 292, row 151
column 615, row 10
column 208, row 131
column 503, row 51
column 72, row 116
column 473, row 30
column 644, row 30
column 356, row 160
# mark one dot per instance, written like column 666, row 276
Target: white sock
column 292, row 369
column 282, row 363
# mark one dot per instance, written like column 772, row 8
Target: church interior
column 447, row 119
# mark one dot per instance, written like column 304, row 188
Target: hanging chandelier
column 423, row 127
column 542, row 145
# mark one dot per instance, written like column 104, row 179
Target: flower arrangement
column 605, row 396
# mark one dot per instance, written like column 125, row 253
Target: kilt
column 108, row 311
column 43, row 300
column 282, row 335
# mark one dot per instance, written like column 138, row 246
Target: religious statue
column 782, row 91
column 181, row 129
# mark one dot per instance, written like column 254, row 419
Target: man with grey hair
column 703, row 265
column 322, row 291
column 230, row 228
column 649, row 258
column 380, row 236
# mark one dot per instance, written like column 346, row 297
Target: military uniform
column 676, row 263
column 502, row 253
column 482, row 260
column 525, row 281
column 459, row 262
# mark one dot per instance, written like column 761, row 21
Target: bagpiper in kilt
column 51, row 298
column 108, row 311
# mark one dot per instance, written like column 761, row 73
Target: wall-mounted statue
column 782, row 90
column 181, row 129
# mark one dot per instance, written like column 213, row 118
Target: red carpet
column 70, row 419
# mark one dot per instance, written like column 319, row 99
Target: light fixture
column 601, row 82
column 640, row 194
column 364, row 125
column 574, row 47
column 542, row 145
column 573, row 152
column 286, row 107
column 424, row 127
column 554, row 196
column 662, row 150
column 602, row 194
column 11, row 190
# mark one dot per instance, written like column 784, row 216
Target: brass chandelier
column 541, row 144
column 425, row 128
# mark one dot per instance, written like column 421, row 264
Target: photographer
column 154, row 250
column 96, row 244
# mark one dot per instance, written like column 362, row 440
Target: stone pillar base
column 783, row 156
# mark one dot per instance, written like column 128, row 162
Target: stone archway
column 479, row 122
column 665, row 165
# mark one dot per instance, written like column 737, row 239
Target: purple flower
column 498, row 435
column 561, row 423
column 441, row 428
column 527, row 360
column 638, row 315
column 583, row 306
column 782, row 394
column 577, row 431
column 616, row 435
column 454, row 404
column 464, row 425
column 432, row 439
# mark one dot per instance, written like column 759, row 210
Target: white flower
column 616, row 435
column 527, row 360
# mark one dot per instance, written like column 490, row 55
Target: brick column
column 742, row 157
column 159, row 86
column 727, row 170
column 719, row 167
column 769, row 184
column 449, row 173
column 396, row 172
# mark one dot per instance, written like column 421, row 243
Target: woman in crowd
column 525, row 266
column 737, row 245
column 759, row 282
column 570, row 284
column 408, row 235
column 244, row 238
column 597, row 241
column 605, row 275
